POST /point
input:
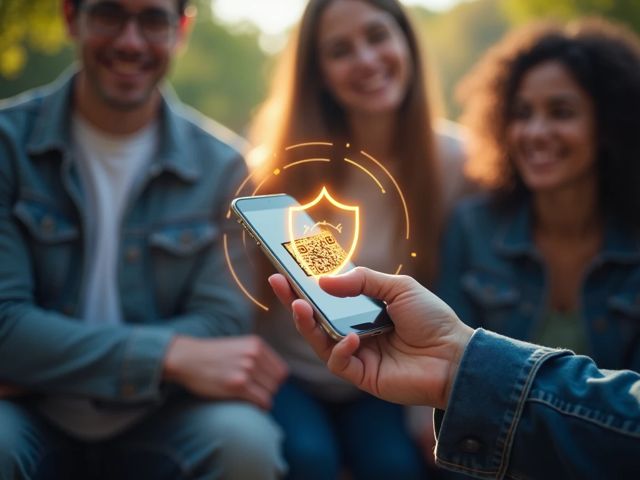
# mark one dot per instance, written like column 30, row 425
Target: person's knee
column 246, row 442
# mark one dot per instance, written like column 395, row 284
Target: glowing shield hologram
column 294, row 245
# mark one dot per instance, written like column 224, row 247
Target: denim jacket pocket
column 495, row 298
column 45, row 224
column 184, row 239
column 178, row 251
column 53, row 238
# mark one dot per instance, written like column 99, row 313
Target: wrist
column 173, row 360
column 459, row 343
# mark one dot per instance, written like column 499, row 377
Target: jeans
column 187, row 439
column 367, row 436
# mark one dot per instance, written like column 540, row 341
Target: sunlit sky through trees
column 274, row 16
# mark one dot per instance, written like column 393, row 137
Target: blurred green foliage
column 456, row 39
column 626, row 11
column 223, row 71
column 28, row 25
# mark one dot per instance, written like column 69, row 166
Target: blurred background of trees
column 224, row 71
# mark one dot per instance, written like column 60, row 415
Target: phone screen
column 268, row 218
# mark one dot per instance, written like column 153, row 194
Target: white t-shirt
column 110, row 168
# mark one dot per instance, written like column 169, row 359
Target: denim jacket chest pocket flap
column 45, row 223
column 54, row 240
column 178, row 251
column 626, row 303
column 184, row 239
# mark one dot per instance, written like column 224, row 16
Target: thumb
column 367, row 282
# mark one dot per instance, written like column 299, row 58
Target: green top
column 563, row 330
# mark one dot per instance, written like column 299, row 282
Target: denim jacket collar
column 52, row 130
column 514, row 237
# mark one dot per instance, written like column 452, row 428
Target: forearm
column 527, row 411
column 44, row 351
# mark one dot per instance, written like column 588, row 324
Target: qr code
column 318, row 254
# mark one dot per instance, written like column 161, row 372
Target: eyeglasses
column 109, row 19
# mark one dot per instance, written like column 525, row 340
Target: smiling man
column 123, row 351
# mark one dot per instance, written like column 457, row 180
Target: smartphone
column 268, row 221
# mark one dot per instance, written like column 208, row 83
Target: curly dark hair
column 182, row 5
column 604, row 59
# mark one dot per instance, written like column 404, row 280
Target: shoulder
column 214, row 146
column 19, row 112
column 451, row 139
column 208, row 130
column 450, row 142
column 476, row 214
column 212, row 134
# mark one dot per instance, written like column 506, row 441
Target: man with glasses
column 122, row 352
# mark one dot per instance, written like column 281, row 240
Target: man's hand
column 243, row 368
column 414, row 364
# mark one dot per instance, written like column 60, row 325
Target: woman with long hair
column 353, row 76
column 552, row 253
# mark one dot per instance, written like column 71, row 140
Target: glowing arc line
column 264, row 180
column 308, row 144
column 404, row 203
column 235, row 276
column 308, row 160
column 367, row 172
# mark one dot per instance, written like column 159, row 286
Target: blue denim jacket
column 172, row 273
column 493, row 277
column 538, row 413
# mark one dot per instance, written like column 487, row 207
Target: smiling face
column 552, row 135
column 121, row 70
column 364, row 57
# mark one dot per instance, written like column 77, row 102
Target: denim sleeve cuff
column 476, row 432
column 143, row 363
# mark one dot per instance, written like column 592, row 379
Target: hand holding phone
column 267, row 219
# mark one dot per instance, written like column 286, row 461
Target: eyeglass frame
column 127, row 16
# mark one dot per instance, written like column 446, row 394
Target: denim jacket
column 493, row 276
column 172, row 274
column 538, row 413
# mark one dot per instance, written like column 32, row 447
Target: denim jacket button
column 600, row 324
column 48, row 224
column 128, row 390
column 69, row 309
column 132, row 254
column 470, row 445
column 186, row 238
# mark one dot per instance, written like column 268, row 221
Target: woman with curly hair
column 552, row 253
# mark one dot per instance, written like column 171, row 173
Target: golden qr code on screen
column 318, row 254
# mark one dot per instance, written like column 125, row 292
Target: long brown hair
column 300, row 109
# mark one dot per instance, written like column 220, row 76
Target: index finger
column 282, row 289
column 311, row 330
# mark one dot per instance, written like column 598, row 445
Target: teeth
column 540, row 157
column 126, row 68
column 374, row 83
